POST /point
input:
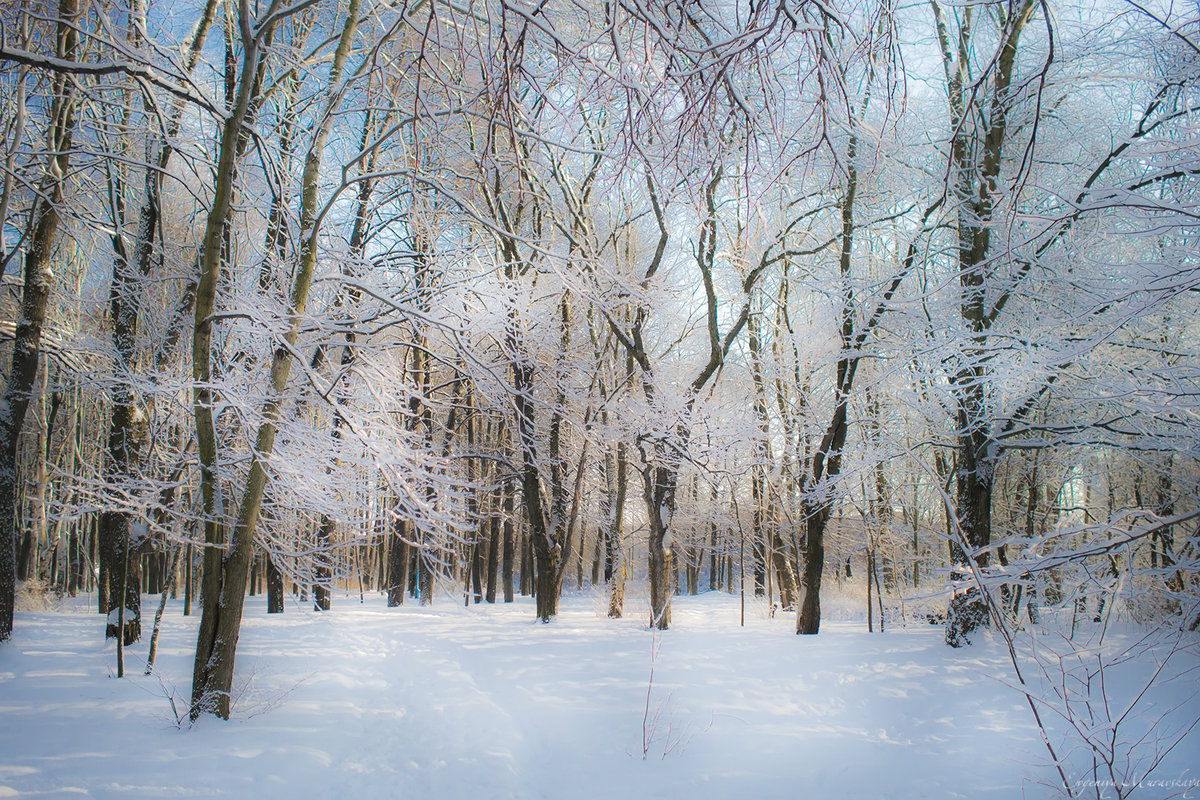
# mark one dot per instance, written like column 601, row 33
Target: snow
column 114, row 616
column 482, row 702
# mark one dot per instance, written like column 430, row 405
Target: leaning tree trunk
column 35, row 295
column 221, row 618
column 202, row 395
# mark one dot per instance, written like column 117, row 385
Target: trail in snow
column 446, row 702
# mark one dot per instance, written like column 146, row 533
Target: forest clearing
column 600, row 397
column 481, row 701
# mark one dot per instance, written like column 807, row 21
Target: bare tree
column 46, row 213
column 225, row 574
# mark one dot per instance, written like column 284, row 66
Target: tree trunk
column 975, row 185
column 826, row 462
column 694, row 558
column 493, row 553
column 225, row 591
column 128, row 547
column 546, row 546
column 398, row 558
column 162, row 605
column 784, row 572
column 213, row 667
column 506, row 570
column 274, row 586
column 323, row 572
column 660, row 502
column 597, row 558
column 424, row 578
column 128, row 424
column 615, row 563
column 616, row 591
column 26, row 555
column 968, row 611
column 117, row 538
column 477, row 567
column 35, row 294
column 808, row 621
column 525, row 584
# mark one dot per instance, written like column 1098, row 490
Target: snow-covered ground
column 483, row 702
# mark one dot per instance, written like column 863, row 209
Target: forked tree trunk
column 976, row 160
column 225, row 591
column 546, row 546
column 207, row 692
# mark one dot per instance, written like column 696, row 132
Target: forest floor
column 482, row 702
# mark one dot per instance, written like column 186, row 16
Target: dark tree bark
column 526, row 580
column 35, row 294
column 128, row 548
column 323, row 571
column 493, row 553
column 123, row 544
column 826, row 463
column 25, row 555
column 478, row 566
column 425, row 577
column 506, row 570
column 398, row 558
column 547, row 550
column 976, row 160
column 127, row 424
column 274, row 586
